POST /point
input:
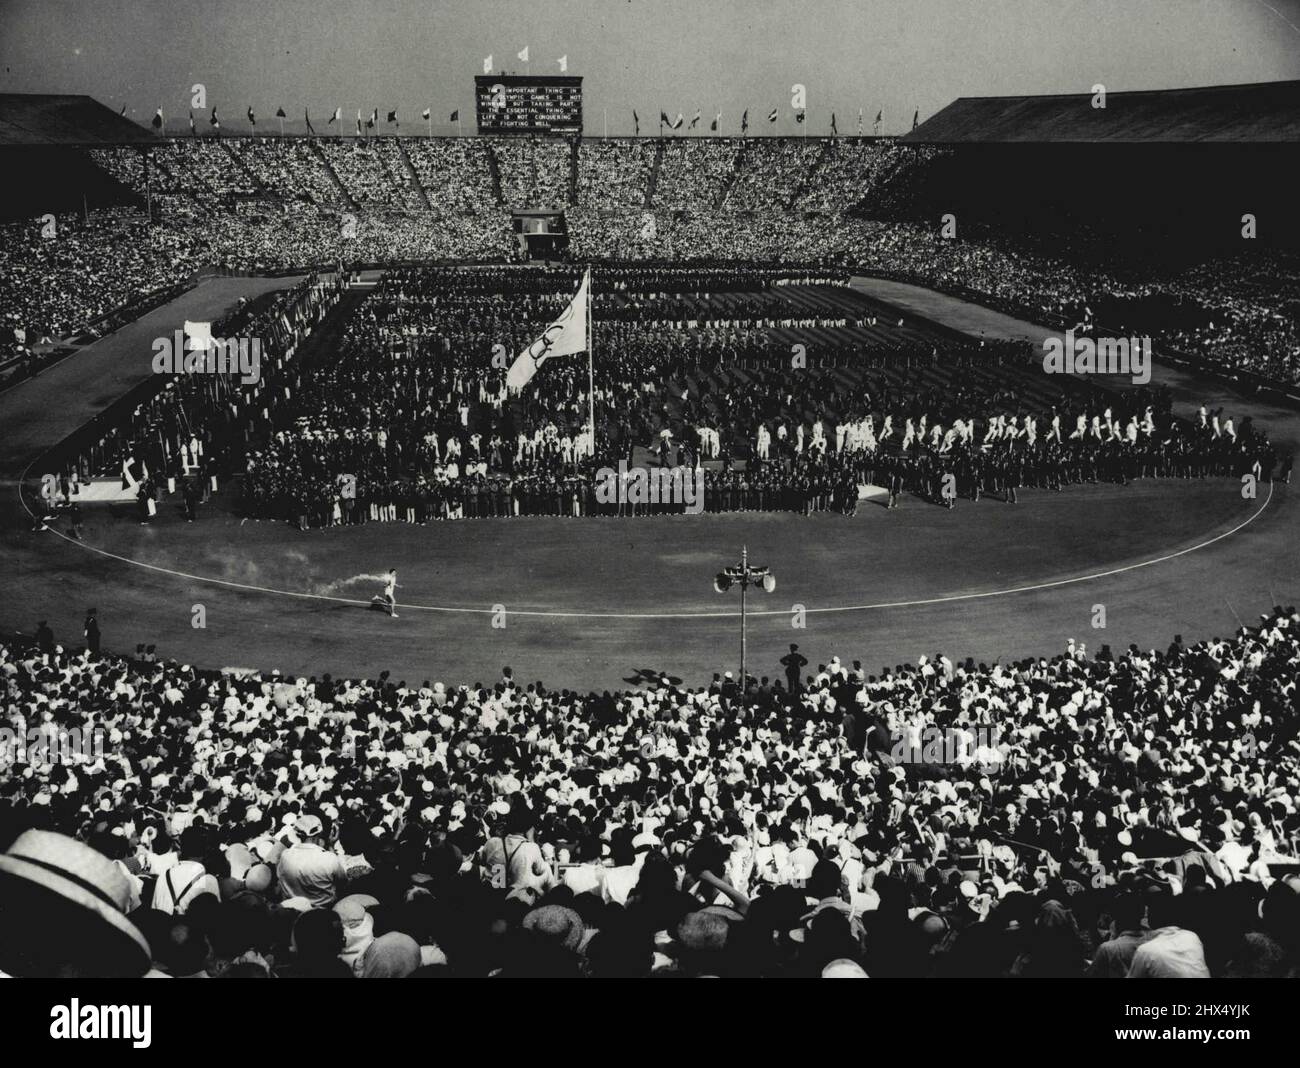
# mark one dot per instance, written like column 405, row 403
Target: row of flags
column 368, row 123
column 800, row 116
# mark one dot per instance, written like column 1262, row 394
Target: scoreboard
column 526, row 104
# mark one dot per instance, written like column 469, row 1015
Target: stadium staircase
column 573, row 172
column 190, row 178
column 805, row 183
column 654, row 174
column 737, row 165
column 243, row 168
column 494, row 167
column 344, row 195
column 413, row 178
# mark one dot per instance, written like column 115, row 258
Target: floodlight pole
column 744, row 576
column 744, row 585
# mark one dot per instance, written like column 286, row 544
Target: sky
column 895, row 56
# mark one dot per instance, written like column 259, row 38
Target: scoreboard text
column 523, row 104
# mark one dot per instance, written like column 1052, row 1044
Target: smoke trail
column 341, row 584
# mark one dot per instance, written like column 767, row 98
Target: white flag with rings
column 564, row 337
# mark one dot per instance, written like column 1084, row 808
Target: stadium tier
column 877, row 205
column 521, row 831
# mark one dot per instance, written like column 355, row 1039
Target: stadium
column 518, row 527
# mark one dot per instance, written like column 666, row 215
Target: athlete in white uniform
column 390, row 593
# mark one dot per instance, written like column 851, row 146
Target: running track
column 596, row 603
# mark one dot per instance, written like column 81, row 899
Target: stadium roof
column 1260, row 112
column 44, row 119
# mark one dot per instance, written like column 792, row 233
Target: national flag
column 374, row 118
column 487, row 65
column 664, row 120
column 424, row 114
column 193, row 132
column 563, row 61
column 636, row 124
column 123, row 111
column 716, row 120
column 879, row 115
column 800, row 115
column 834, row 129
column 307, row 119
column 214, row 122
column 694, row 120
column 772, row 115
column 358, row 122
column 455, row 116
column 859, row 122
column 744, row 122
column 677, row 122
column 524, row 54
column 392, row 117
column 338, row 114
column 157, row 121
column 252, row 119
column 564, row 337
column 916, row 117
column 279, row 113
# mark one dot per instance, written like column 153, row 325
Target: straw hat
column 63, row 909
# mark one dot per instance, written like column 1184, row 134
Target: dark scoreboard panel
column 526, row 104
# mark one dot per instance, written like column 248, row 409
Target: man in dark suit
column 92, row 632
column 794, row 662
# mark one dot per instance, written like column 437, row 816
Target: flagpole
column 591, row 371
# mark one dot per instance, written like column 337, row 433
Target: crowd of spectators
column 265, row 203
column 693, row 173
column 60, row 274
column 287, row 168
column 615, row 174
column 454, row 172
column 372, row 171
column 1130, row 814
column 770, row 172
column 535, row 171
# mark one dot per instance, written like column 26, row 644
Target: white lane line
column 731, row 614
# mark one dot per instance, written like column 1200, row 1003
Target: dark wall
column 1174, row 201
column 40, row 179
